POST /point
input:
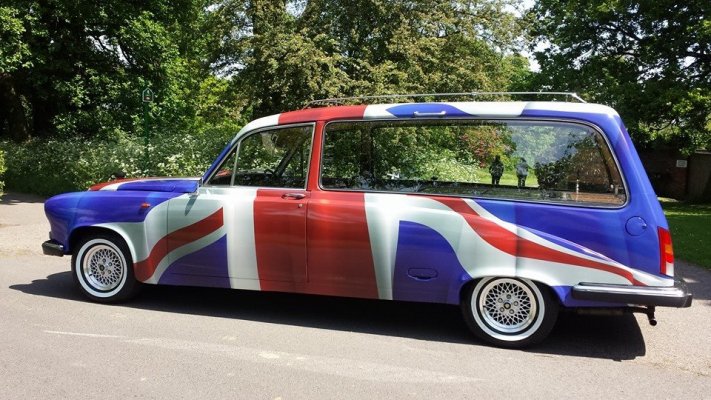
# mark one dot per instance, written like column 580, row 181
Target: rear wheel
column 103, row 270
column 509, row 312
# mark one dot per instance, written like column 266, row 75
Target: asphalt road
column 206, row 343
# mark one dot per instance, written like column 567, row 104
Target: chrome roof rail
column 365, row 99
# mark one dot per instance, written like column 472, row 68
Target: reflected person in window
column 496, row 169
column 522, row 172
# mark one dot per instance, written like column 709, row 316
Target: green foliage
column 451, row 152
column 14, row 52
column 285, row 53
column 48, row 167
column 77, row 68
column 71, row 72
column 649, row 59
column 487, row 142
column 689, row 228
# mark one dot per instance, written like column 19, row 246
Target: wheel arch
column 81, row 232
column 542, row 284
column 86, row 238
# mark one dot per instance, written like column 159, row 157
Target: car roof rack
column 366, row 99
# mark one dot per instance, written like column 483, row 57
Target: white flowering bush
column 52, row 166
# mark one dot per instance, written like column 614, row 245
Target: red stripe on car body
column 517, row 246
column 323, row 113
column 146, row 268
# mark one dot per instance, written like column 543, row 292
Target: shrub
column 52, row 166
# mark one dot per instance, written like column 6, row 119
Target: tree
column 649, row 59
column 14, row 55
column 285, row 53
column 76, row 68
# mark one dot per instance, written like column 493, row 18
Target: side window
column 270, row 158
column 223, row 176
column 525, row 160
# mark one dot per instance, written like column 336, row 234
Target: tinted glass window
column 526, row 160
column 271, row 158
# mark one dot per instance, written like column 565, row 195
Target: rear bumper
column 53, row 248
column 671, row 296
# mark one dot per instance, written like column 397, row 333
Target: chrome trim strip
column 341, row 100
column 667, row 296
column 633, row 290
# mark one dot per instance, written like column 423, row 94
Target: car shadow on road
column 9, row 198
column 614, row 338
column 596, row 336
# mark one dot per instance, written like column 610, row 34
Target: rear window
column 521, row 160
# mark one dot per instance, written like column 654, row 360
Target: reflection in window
column 537, row 161
column 271, row 158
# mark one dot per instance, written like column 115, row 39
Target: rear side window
column 521, row 160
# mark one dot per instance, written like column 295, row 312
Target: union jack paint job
column 372, row 245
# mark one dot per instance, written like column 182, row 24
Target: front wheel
column 509, row 312
column 103, row 269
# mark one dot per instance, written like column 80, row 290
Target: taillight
column 666, row 253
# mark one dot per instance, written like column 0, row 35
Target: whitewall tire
column 509, row 312
column 103, row 269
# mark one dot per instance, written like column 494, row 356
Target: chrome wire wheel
column 507, row 305
column 104, row 267
column 509, row 312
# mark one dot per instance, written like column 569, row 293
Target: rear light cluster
column 666, row 253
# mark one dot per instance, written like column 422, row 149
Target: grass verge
column 690, row 226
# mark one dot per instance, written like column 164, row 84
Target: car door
column 246, row 226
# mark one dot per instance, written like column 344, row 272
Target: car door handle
column 430, row 114
column 293, row 196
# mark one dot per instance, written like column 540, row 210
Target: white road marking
column 93, row 335
column 355, row 369
column 338, row 366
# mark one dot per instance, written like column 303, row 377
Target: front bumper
column 53, row 248
column 672, row 296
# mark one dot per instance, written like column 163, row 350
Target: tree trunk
column 13, row 121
